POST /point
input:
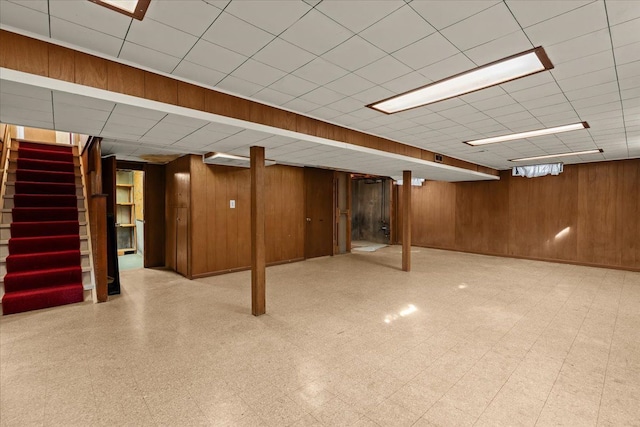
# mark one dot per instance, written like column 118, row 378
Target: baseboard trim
column 245, row 268
column 557, row 261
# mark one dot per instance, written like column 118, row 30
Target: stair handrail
column 6, row 148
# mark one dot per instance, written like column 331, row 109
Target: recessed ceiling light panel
column 513, row 67
column 132, row 8
column 553, row 156
column 529, row 134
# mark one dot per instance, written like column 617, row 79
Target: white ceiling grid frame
column 580, row 38
column 104, row 99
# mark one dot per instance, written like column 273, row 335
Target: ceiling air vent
column 438, row 158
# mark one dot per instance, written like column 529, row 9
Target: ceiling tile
column 346, row 105
column 258, row 73
column 358, row 15
column 322, row 96
column 529, row 12
column 325, row 113
column 576, row 23
column 272, row 16
column 499, row 48
column 588, row 79
column 234, row 34
column 385, row 35
column 82, row 101
column 160, row 37
column 301, row 105
column 198, row 73
column 542, row 91
column 426, row 51
column 215, row 57
column 148, row 57
column 372, row 95
column 354, row 53
column 350, row 84
column 283, row 55
column 407, row 82
column 383, row 70
column 626, row 33
column 596, row 90
column 483, row 27
column 316, row 33
column 622, row 11
column 584, row 65
column 39, row 5
column 192, row 16
column 589, row 44
column 627, row 53
column 443, row 13
column 528, row 82
column 26, row 18
column 239, row 86
column 84, row 37
column 447, row 67
column 320, row 71
column 88, row 14
column 293, row 85
column 272, row 96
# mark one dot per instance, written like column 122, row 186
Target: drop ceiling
column 328, row 59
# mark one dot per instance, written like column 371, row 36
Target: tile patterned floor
column 349, row 340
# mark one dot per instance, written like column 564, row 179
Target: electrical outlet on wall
column 232, row 204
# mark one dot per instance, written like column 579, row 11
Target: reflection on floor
column 365, row 246
column 347, row 340
column 130, row 262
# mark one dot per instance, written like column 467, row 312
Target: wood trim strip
column 42, row 58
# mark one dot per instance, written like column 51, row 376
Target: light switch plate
column 232, row 204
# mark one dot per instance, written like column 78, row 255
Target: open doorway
column 371, row 212
column 130, row 218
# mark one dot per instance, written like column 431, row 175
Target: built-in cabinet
column 125, row 213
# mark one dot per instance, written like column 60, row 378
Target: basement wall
column 588, row 215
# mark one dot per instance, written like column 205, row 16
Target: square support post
column 258, row 306
column 406, row 220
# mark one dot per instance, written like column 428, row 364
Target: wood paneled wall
column 178, row 197
column 220, row 236
column 46, row 59
column 588, row 215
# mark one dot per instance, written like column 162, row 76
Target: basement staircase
column 44, row 248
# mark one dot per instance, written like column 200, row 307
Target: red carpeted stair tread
column 34, row 299
column 40, row 154
column 45, row 278
column 45, row 176
column 44, row 165
column 44, row 214
column 27, row 187
column 44, row 228
column 44, row 200
column 43, row 260
column 45, row 147
column 32, row 245
column 44, row 265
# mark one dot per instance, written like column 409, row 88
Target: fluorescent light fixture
column 224, row 159
column 552, row 156
column 132, row 8
column 513, row 67
column 529, row 134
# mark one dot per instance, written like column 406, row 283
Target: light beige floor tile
column 176, row 352
column 443, row 414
